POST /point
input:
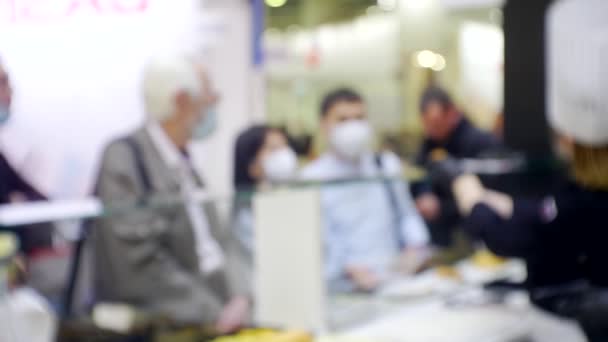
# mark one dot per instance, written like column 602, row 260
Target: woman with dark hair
column 262, row 158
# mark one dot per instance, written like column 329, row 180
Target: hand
column 234, row 316
column 414, row 259
column 363, row 278
column 443, row 172
column 429, row 206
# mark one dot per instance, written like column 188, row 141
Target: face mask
column 351, row 139
column 5, row 113
column 280, row 166
column 207, row 125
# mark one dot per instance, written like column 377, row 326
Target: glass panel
column 369, row 268
column 365, row 272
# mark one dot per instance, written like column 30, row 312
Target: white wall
column 481, row 48
column 76, row 75
column 230, row 61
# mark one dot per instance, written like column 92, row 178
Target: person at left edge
column 13, row 188
column 174, row 261
column 44, row 264
column 369, row 225
column 37, row 321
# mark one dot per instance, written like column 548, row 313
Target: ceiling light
column 276, row 3
column 440, row 63
column 426, row 58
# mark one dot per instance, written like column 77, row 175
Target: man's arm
column 336, row 255
column 412, row 228
column 238, row 271
column 133, row 241
column 507, row 226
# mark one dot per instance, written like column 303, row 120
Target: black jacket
column 11, row 182
column 564, row 241
column 33, row 236
column 467, row 141
column 563, row 237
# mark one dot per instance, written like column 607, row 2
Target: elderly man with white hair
column 174, row 261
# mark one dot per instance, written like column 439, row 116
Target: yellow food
column 8, row 245
column 438, row 154
column 266, row 335
column 486, row 259
column 448, row 272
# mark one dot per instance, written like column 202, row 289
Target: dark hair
column 247, row 146
column 435, row 94
column 339, row 95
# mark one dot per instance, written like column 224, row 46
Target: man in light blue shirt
column 369, row 223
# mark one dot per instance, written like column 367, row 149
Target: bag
column 393, row 200
column 76, row 267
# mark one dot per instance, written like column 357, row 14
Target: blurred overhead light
column 440, row 63
column 387, row 5
column 416, row 5
column 430, row 60
column 276, row 3
column 426, row 58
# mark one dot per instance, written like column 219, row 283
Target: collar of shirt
column 168, row 151
column 173, row 157
column 209, row 252
column 331, row 167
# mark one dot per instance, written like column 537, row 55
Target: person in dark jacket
column 563, row 236
column 447, row 130
column 13, row 188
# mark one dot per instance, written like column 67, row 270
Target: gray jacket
column 146, row 256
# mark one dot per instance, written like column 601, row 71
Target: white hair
column 164, row 78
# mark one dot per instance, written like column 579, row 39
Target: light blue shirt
column 359, row 217
column 243, row 222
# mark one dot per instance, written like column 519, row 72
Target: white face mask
column 351, row 139
column 207, row 126
column 280, row 166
